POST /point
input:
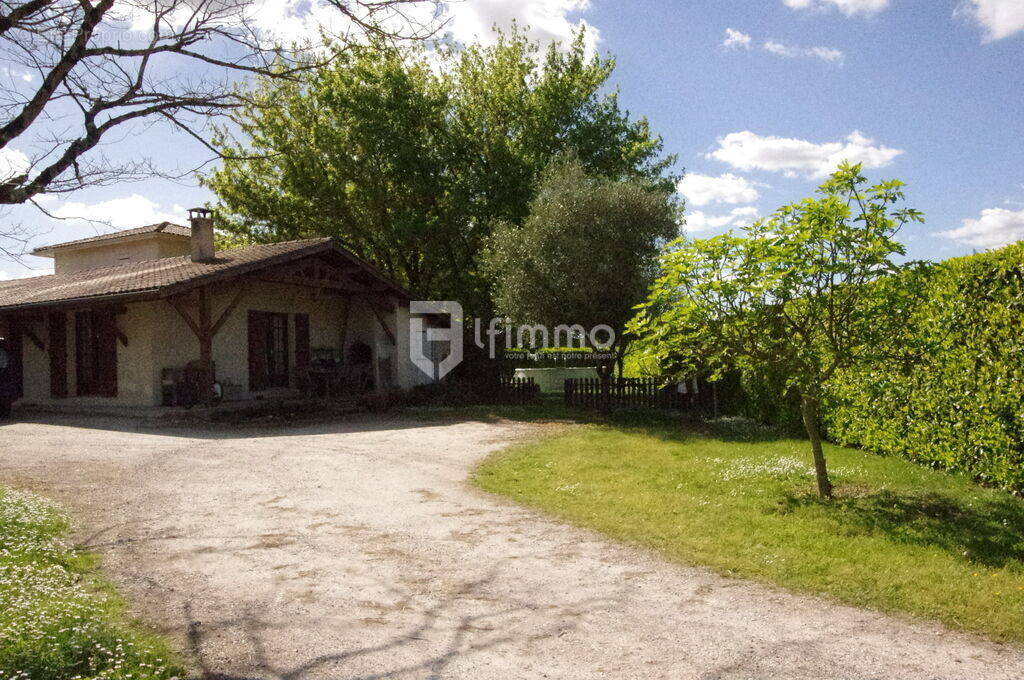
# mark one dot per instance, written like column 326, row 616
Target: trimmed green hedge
column 952, row 396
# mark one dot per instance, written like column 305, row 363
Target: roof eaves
column 244, row 268
column 85, row 300
column 124, row 234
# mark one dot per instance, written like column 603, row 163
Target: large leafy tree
column 795, row 293
column 586, row 253
column 411, row 157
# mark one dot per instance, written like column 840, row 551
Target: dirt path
column 357, row 550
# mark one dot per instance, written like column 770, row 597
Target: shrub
column 461, row 392
column 763, row 396
column 951, row 395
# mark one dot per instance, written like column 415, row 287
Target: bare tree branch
column 89, row 67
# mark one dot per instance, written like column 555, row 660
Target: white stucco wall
column 134, row 386
column 115, row 252
column 553, row 379
column 231, row 344
column 159, row 338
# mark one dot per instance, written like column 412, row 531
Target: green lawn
column 898, row 537
column 58, row 619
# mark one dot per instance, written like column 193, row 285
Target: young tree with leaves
column 793, row 292
column 412, row 157
column 586, row 253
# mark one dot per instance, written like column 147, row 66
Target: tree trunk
column 809, row 408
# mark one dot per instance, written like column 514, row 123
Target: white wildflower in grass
column 782, row 467
column 53, row 625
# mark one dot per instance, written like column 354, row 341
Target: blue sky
column 757, row 98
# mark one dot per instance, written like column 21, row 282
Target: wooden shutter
column 83, row 354
column 96, row 353
column 302, row 351
column 106, row 348
column 58, row 346
column 16, row 368
column 257, row 351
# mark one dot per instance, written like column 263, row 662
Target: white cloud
column 737, row 39
column 995, row 227
column 847, row 7
column 795, row 157
column 296, row 21
column 24, row 273
column 829, row 54
column 465, row 21
column 16, row 75
column 999, row 18
column 728, row 188
column 12, row 163
column 123, row 213
column 698, row 220
column 545, row 20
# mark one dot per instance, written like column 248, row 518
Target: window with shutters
column 268, row 350
column 95, row 354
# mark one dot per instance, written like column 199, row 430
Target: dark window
column 268, row 350
column 95, row 354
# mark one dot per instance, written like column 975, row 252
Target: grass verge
column 898, row 537
column 58, row 619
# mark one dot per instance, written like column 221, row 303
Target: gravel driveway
column 357, row 550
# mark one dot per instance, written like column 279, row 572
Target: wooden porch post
column 205, row 349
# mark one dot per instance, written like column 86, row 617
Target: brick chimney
column 202, row 234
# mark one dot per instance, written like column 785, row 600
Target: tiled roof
column 160, row 228
column 159, row 278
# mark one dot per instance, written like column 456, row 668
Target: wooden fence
column 518, row 390
column 628, row 393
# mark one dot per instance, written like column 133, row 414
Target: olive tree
column 586, row 253
column 793, row 292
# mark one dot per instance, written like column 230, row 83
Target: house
column 127, row 317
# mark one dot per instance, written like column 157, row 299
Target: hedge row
column 952, row 396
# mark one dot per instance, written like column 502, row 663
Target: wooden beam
column 119, row 334
column 380, row 320
column 227, row 311
column 176, row 303
column 317, row 274
column 31, row 334
column 309, row 282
